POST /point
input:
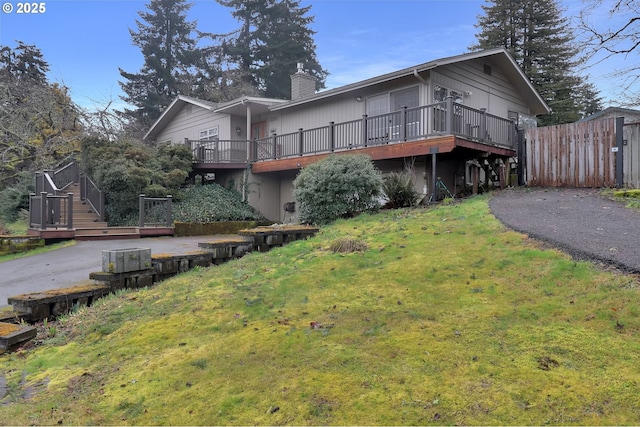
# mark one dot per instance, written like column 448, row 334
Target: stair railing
column 66, row 175
column 49, row 207
column 90, row 193
column 155, row 211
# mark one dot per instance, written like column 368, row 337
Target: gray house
column 453, row 120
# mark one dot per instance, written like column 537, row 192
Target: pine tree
column 171, row 56
column 541, row 42
column 274, row 36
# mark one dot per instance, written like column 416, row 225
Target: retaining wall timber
column 17, row 244
column 38, row 306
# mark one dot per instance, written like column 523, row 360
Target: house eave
column 538, row 105
column 170, row 112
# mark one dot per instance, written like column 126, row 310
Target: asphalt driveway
column 72, row 265
column 581, row 222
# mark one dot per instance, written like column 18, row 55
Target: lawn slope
column 438, row 316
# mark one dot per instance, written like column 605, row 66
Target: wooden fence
column 572, row 155
column 631, row 143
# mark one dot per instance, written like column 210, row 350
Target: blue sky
column 85, row 41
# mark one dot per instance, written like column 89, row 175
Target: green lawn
column 441, row 317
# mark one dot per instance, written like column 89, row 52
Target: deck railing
column 155, row 211
column 51, row 211
column 407, row 124
column 218, row 151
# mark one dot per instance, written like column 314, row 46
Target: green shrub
column 211, row 203
column 338, row 186
column 400, row 190
column 126, row 169
column 15, row 198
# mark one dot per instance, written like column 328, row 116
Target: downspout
column 418, row 76
column 244, row 175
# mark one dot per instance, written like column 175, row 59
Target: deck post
column 364, row 130
column 332, row 137
column 141, row 211
column 101, row 213
column 434, row 177
column 301, row 141
column 448, row 123
column 275, row 146
column 483, row 125
column 403, row 124
column 186, row 142
column 83, row 187
column 169, row 208
column 43, row 210
column 69, row 211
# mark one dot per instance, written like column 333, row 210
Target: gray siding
column 493, row 92
column 339, row 109
column 189, row 124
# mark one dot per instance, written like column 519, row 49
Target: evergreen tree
column 540, row 40
column 274, row 36
column 165, row 39
column 39, row 124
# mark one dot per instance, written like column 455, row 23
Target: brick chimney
column 302, row 84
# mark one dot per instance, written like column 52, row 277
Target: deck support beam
column 434, row 185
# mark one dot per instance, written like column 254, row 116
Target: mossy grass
column 18, row 227
column 36, row 251
column 441, row 317
column 630, row 196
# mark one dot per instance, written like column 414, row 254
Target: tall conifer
column 541, row 42
column 274, row 35
column 165, row 38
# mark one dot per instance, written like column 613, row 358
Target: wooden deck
column 437, row 145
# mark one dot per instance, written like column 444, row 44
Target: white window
column 209, row 134
column 440, row 94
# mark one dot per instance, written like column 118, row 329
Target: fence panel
column 572, row 155
column 631, row 146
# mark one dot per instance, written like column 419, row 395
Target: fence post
column 69, row 211
column 43, row 210
column 364, row 130
column 483, row 125
column 169, row 207
column 301, row 141
column 448, row 121
column 141, row 211
column 275, row 146
column 620, row 153
column 332, row 136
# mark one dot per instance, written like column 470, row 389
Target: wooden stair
column 87, row 224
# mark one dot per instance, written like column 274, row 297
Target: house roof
column 236, row 106
column 499, row 57
column 610, row 111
